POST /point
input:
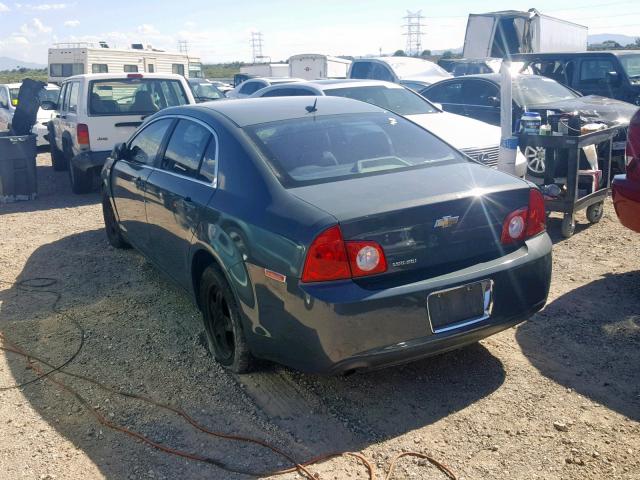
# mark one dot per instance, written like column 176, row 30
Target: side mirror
column 438, row 106
column 48, row 105
column 120, row 151
column 613, row 78
column 494, row 101
column 14, row 102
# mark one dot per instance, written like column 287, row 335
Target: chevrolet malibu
column 325, row 233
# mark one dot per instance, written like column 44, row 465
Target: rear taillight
column 633, row 149
column 82, row 133
column 525, row 222
column 331, row 258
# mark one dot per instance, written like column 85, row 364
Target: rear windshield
column 134, row 96
column 397, row 100
column 337, row 147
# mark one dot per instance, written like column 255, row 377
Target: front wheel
column 58, row 160
column 222, row 324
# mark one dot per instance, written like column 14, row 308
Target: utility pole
column 413, row 31
column 256, row 46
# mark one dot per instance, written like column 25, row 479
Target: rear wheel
column 114, row 235
column 221, row 317
column 595, row 212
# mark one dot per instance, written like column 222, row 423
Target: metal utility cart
column 569, row 202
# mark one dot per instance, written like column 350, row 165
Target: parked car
column 626, row 188
column 478, row 96
column 204, row 90
column 327, row 234
column 414, row 73
column 97, row 111
column 479, row 140
column 252, row 85
column 614, row 74
column 222, row 86
column 9, row 101
column 459, row 67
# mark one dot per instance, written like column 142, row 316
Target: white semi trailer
column 312, row 66
column 67, row 59
column 266, row 70
column 499, row 34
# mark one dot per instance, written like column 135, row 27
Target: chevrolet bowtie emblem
column 446, row 222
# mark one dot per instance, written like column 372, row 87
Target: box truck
column 500, row 34
column 266, row 70
column 313, row 66
column 67, row 59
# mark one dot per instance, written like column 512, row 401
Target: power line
column 413, row 32
column 256, row 46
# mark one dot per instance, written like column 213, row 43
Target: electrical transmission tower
column 256, row 46
column 183, row 47
column 413, row 31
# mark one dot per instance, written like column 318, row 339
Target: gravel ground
column 556, row 398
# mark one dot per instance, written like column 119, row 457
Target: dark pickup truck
column 613, row 74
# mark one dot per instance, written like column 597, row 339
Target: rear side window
column 134, row 96
column 185, row 149
column 331, row 148
column 398, row 100
column 145, row 146
column 251, row 87
column 450, row 92
column 73, row 97
column 595, row 71
column 289, row 92
column 209, row 166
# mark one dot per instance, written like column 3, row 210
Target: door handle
column 188, row 200
column 139, row 183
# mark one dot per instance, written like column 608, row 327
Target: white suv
column 96, row 111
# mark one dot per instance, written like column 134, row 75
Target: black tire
column 568, row 225
column 222, row 323
column 595, row 212
column 114, row 235
column 81, row 181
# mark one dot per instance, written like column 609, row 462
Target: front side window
column 177, row 68
column 479, row 93
column 134, row 96
column 49, row 95
column 67, row 94
column 381, row 72
column 361, row 70
column 337, row 147
column 205, row 91
column 4, row 99
column 145, row 146
column 398, row 100
column 185, row 149
column 13, row 95
column 99, row 68
column 595, row 71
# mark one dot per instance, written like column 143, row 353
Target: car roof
column 254, row 111
column 577, row 54
column 343, row 83
column 120, row 76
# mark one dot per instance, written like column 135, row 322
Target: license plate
column 619, row 145
column 461, row 306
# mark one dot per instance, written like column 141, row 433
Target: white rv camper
column 499, row 34
column 266, row 70
column 312, row 66
column 67, row 59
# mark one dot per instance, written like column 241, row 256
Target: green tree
column 447, row 54
column 426, row 53
column 399, row 53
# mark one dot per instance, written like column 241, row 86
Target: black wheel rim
column 220, row 324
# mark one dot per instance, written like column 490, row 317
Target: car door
column 176, row 194
column 482, row 100
column 448, row 94
column 58, row 127
column 594, row 79
column 70, row 117
column 129, row 176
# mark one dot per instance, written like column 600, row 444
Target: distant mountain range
column 623, row 40
column 7, row 63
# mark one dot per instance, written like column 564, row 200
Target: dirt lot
column 556, row 398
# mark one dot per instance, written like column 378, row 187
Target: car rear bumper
column 626, row 201
column 87, row 160
column 341, row 326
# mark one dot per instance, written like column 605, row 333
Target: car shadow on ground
column 592, row 349
column 143, row 335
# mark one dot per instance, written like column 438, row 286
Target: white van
column 96, row 111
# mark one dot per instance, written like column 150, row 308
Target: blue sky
column 220, row 30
